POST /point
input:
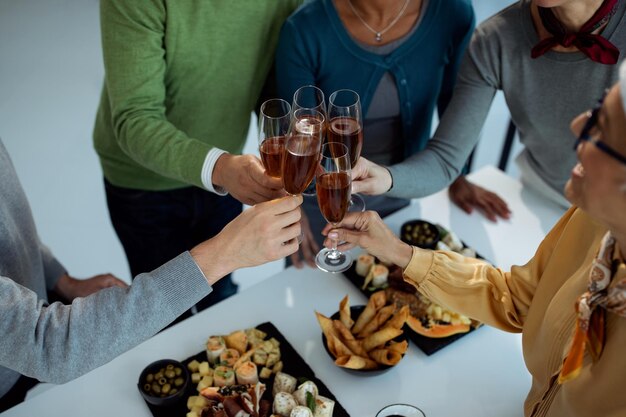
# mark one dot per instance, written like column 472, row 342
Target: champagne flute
column 345, row 125
column 274, row 121
column 302, row 150
column 311, row 98
column 333, row 196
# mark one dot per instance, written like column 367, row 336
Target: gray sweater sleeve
column 52, row 268
column 458, row 132
column 57, row 343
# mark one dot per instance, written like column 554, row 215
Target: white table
column 482, row 374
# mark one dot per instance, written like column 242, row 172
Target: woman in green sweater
column 181, row 81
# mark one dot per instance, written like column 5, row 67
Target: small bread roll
column 363, row 264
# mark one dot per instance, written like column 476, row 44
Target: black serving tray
column 293, row 364
column 428, row 345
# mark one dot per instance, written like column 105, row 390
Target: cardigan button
column 403, row 81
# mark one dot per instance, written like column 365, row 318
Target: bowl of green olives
column 163, row 382
column 420, row 233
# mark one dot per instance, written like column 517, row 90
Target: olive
column 179, row 381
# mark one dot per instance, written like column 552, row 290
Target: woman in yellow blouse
column 569, row 301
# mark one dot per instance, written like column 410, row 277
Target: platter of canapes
column 251, row 372
column 429, row 325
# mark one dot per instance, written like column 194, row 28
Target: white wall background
column 50, row 78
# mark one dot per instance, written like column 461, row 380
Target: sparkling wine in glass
column 310, row 98
column 274, row 121
column 345, row 125
column 302, row 150
column 333, row 196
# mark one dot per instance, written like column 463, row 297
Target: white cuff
column 206, row 176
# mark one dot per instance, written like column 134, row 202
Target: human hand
column 243, row 176
column 263, row 233
column 370, row 178
column 367, row 230
column 308, row 246
column 468, row 196
column 70, row 288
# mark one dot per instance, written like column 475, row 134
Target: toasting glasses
column 345, row 125
column 333, row 196
column 310, row 98
column 302, row 149
column 274, row 121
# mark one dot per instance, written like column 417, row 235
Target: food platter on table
column 268, row 377
column 364, row 340
column 431, row 327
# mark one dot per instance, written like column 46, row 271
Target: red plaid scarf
column 596, row 47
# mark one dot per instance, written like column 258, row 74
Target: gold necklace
column 378, row 34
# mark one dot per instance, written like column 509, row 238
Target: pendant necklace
column 378, row 34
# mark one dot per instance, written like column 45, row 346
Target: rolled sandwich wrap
column 229, row 357
column 284, row 383
column 214, row 348
column 283, row 404
column 247, row 373
column 323, row 407
column 223, row 376
column 300, row 393
column 301, row 411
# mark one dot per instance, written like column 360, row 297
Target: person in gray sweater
column 57, row 342
column 542, row 92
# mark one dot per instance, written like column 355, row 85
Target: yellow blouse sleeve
column 479, row 290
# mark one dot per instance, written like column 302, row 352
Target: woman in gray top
column 542, row 92
column 57, row 342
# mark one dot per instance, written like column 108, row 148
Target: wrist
column 221, row 170
column 207, row 257
column 402, row 254
column 388, row 179
column 64, row 286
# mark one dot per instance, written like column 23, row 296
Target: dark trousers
column 17, row 393
column 156, row 226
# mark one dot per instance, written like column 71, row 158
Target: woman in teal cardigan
column 401, row 58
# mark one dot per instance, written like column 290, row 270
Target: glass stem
column 334, row 253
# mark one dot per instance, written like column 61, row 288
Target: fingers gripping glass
column 333, row 196
column 586, row 136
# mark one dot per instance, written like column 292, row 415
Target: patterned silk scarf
column 601, row 296
column 596, row 47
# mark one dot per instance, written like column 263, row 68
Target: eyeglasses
column 590, row 124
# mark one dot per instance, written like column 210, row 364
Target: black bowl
column 355, row 311
column 420, row 233
column 153, row 368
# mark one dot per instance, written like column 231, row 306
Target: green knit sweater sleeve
column 135, row 66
